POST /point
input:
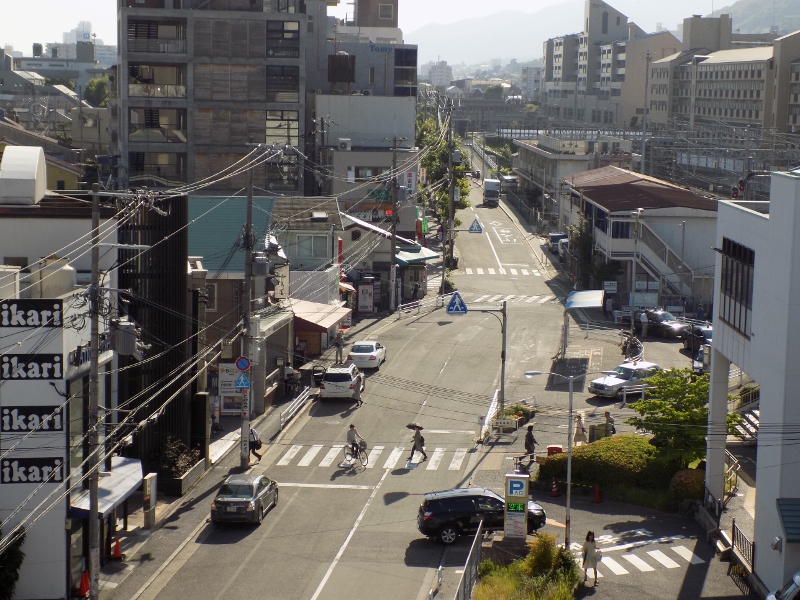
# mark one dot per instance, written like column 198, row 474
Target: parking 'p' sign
column 515, row 515
column 516, row 487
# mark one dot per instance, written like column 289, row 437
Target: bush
column 526, row 412
column 687, row 484
column 177, row 458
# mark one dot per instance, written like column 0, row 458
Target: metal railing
column 295, row 406
column 712, row 505
column 428, row 304
column 437, row 583
column 732, row 467
column 490, row 414
column 470, row 575
column 742, row 545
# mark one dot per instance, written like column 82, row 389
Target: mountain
column 753, row 16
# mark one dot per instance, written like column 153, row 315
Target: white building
column 756, row 328
column 441, row 74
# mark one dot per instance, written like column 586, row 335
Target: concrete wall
column 787, row 50
column 367, row 120
column 703, row 32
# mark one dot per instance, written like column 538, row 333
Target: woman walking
column 580, row 432
column 589, row 557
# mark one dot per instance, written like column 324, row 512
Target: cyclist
column 353, row 438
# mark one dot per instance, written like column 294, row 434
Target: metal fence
column 712, row 505
column 742, row 545
column 425, row 305
column 470, row 575
column 295, row 406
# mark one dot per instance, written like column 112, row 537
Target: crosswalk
column 502, row 271
column 301, row 455
column 644, row 562
column 523, row 299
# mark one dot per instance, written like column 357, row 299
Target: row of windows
column 736, row 285
column 727, row 73
column 725, row 112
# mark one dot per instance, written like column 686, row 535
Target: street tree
column 96, row 92
column 10, row 561
column 68, row 83
column 675, row 410
column 430, row 137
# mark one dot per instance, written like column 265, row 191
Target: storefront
column 316, row 324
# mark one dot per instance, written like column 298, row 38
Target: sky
column 54, row 17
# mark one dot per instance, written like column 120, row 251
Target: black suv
column 446, row 515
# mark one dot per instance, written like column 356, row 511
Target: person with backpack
column 254, row 443
column 419, row 444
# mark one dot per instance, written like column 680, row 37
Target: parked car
column 340, row 382
column 790, row 591
column 449, row 514
column 553, row 239
column 244, row 498
column 660, row 322
column 612, row 384
column 477, row 174
column 367, row 355
column 699, row 365
column 694, row 336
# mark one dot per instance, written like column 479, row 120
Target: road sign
column 476, row 226
column 242, row 363
column 457, row 305
column 242, row 382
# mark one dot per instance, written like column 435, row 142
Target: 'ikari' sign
column 22, row 419
column 32, row 470
column 31, row 313
column 34, row 367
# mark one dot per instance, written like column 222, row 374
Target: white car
column 366, row 355
column 612, row 384
column 340, row 382
column 790, row 591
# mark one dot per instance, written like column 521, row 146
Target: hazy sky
column 44, row 21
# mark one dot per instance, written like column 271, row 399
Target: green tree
column 494, row 92
column 60, row 81
column 429, row 136
column 10, row 562
column 675, row 411
column 96, row 92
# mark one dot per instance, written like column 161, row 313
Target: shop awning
column 114, row 489
column 587, row 299
column 417, row 254
column 346, row 287
column 320, row 316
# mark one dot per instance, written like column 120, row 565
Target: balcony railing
column 156, row 135
column 157, row 46
column 156, row 90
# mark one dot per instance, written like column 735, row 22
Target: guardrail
column 414, row 308
column 436, row 584
column 712, row 505
column 470, row 575
column 295, row 406
column 742, row 545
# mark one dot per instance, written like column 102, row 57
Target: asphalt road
column 343, row 533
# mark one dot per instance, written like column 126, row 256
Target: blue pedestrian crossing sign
column 457, row 305
column 476, row 226
column 242, row 382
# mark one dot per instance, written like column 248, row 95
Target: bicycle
column 362, row 453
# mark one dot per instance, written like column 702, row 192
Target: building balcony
column 156, row 90
column 157, row 46
column 156, row 135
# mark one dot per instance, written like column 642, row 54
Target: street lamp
column 571, row 380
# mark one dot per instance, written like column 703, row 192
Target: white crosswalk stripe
column 537, row 274
column 480, row 271
column 500, row 271
column 524, row 271
column 491, row 271
column 531, row 299
column 545, row 299
column 518, row 299
column 638, row 562
column 468, row 271
column 508, row 298
column 613, row 565
column 687, row 554
column 662, row 558
column 482, row 298
column 495, row 298
column 309, row 455
column 513, row 271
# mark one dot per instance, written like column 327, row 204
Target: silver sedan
column 367, row 355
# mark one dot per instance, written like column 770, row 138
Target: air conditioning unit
column 345, row 144
column 365, row 92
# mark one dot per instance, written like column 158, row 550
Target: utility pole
column 503, row 360
column 648, row 57
column 636, row 215
column 393, row 253
column 450, row 243
column 244, row 446
column 93, row 464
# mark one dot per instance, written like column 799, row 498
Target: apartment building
column 441, row 74
column 531, row 82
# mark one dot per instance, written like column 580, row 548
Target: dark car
column 661, row 322
column 695, row 336
column 446, row 515
column 244, row 498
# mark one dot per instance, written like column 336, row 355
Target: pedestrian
column 580, row 432
column 589, row 557
column 418, row 444
column 415, row 293
column 289, row 378
column 701, row 314
column 254, row 443
column 645, row 322
column 609, row 309
column 338, row 341
column 610, row 429
column 353, row 438
column 530, row 445
column 357, row 391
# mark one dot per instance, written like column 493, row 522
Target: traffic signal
column 734, row 192
column 742, row 183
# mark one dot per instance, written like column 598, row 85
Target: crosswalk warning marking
column 331, row 455
column 468, row 271
column 524, row 271
column 458, row 458
column 373, row 456
column 491, row 271
column 531, row 299
column 393, row 458
column 545, row 299
column 614, row 566
column 290, row 454
column 312, row 452
column 479, row 270
column 638, row 562
column 482, row 298
column 687, row 554
column 435, row 459
column 662, row 558
column 513, row 271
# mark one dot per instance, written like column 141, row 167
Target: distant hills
column 517, row 34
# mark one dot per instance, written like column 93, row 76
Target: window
column 283, row 39
column 282, row 127
column 312, row 246
column 385, row 12
column 736, row 286
column 355, row 235
column 283, row 84
column 605, row 22
column 372, row 75
column 211, row 297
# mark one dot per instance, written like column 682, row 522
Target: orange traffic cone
column 84, row 588
column 117, row 555
column 554, row 491
column 597, row 499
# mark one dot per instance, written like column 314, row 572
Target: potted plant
column 179, row 467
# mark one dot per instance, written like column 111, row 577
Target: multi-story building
column 201, row 83
column 598, row 76
column 532, row 82
column 441, row 74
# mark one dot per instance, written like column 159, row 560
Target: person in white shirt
column 645, row 323
column 353, row 438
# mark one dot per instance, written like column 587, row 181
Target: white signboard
column 610, row 287
column 411, row 182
